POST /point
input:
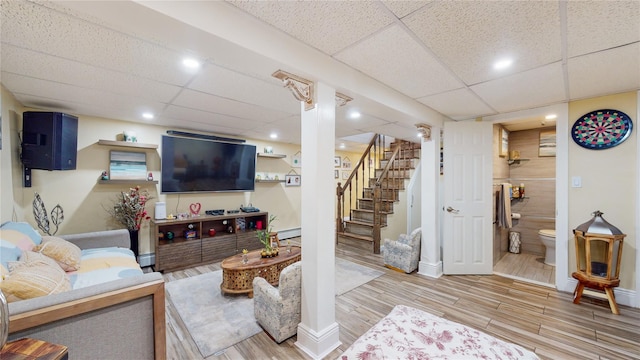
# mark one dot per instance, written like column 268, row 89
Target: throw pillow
column 12, row 244
column 62, row 251
column 34, row 277
column 24, row 228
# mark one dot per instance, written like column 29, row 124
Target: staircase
column 370, row 193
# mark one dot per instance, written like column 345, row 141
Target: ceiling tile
column 529, row 89
column 326, row 25
column 228, row 84
column 192, row 115
column 215, row 104
column 461, row 104
column 404, row 8
column 393, row 57
column 470, row 36
column 288, row 130
column 404, row 132
column 63, row 93
column 73, row 38
column 597, row 25
column 605, row 72
column 38, row 65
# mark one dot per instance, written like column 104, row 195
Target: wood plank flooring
column 526, row 266
column 536, row 317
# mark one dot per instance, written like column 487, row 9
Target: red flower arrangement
column 129, row 208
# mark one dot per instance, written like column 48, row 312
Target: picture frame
column 345, row 175
column 296, row 160
column 124, row 165
column 346, row 163
column 337, row 161
column 336, row 174
column 504, row 142
column 547, row 145
column 292, row 180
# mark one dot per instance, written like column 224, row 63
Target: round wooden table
column 237, row 278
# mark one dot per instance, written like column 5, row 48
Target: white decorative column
column 318, row 333
column 430, row 262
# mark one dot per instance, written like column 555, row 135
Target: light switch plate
column 576, row 181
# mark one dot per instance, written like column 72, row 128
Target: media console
column 210, row 238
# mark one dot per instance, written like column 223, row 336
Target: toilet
column 548, row 238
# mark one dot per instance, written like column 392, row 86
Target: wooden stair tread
column 356, row 236
column 371, row 211
column 363, row 223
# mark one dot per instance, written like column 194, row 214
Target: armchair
column 278, row 310
column 404, row 253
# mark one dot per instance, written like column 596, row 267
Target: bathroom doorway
column 524, row 157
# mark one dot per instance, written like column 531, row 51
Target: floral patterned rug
column 409, row 333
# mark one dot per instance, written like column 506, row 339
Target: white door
column 467, row 240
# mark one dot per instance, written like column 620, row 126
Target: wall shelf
column 269, row 181
column 123, row 181
column 275, row 156
column 515, row 161
column 127, row 144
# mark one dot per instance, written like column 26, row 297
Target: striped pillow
column 35, row 276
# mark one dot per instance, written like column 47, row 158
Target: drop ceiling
column 403, row 62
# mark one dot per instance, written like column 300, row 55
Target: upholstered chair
column 278, row 309
column 404, row 253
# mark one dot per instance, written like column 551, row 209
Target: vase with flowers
column 129, row 210
column 245, row 256
column 264, row 236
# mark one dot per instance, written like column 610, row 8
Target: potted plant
column 264, row 236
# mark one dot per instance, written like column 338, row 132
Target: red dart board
column 601, row 129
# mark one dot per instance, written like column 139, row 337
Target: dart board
column 601, row 129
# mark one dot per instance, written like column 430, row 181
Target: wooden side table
column 32, row 349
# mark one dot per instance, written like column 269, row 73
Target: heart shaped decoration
column 195, row 208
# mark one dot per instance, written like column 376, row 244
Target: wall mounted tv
column 196, row 165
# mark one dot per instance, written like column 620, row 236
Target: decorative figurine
column 150, row 176
column 105, row 175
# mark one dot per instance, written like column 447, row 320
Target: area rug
column 216, row 322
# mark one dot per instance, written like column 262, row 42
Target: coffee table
column 237, row 278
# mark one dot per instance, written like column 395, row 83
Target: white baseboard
column 148, row 259
column 290, row 233
column 431, row 270
column 318, row 344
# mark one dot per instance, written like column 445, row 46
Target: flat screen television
column 196, row 165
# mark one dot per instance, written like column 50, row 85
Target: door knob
column 452, row 210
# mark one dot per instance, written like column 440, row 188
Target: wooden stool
column 273, row 237
column 596, row 283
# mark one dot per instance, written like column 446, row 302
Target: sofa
column 278, row 309
column 105, row 308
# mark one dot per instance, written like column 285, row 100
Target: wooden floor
column 536, row 317
column 526, row 266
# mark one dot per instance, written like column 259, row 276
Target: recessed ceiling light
column 273, row 136
column 502, row 64
column 551, row 116
column 191, row 63
column 354, row 115
column 342, row 146
column 148, row 115
column 419, row 134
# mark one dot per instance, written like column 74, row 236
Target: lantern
column 598, row 255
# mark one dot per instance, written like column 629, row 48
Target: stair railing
column 378, row 180
column 355, row 184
